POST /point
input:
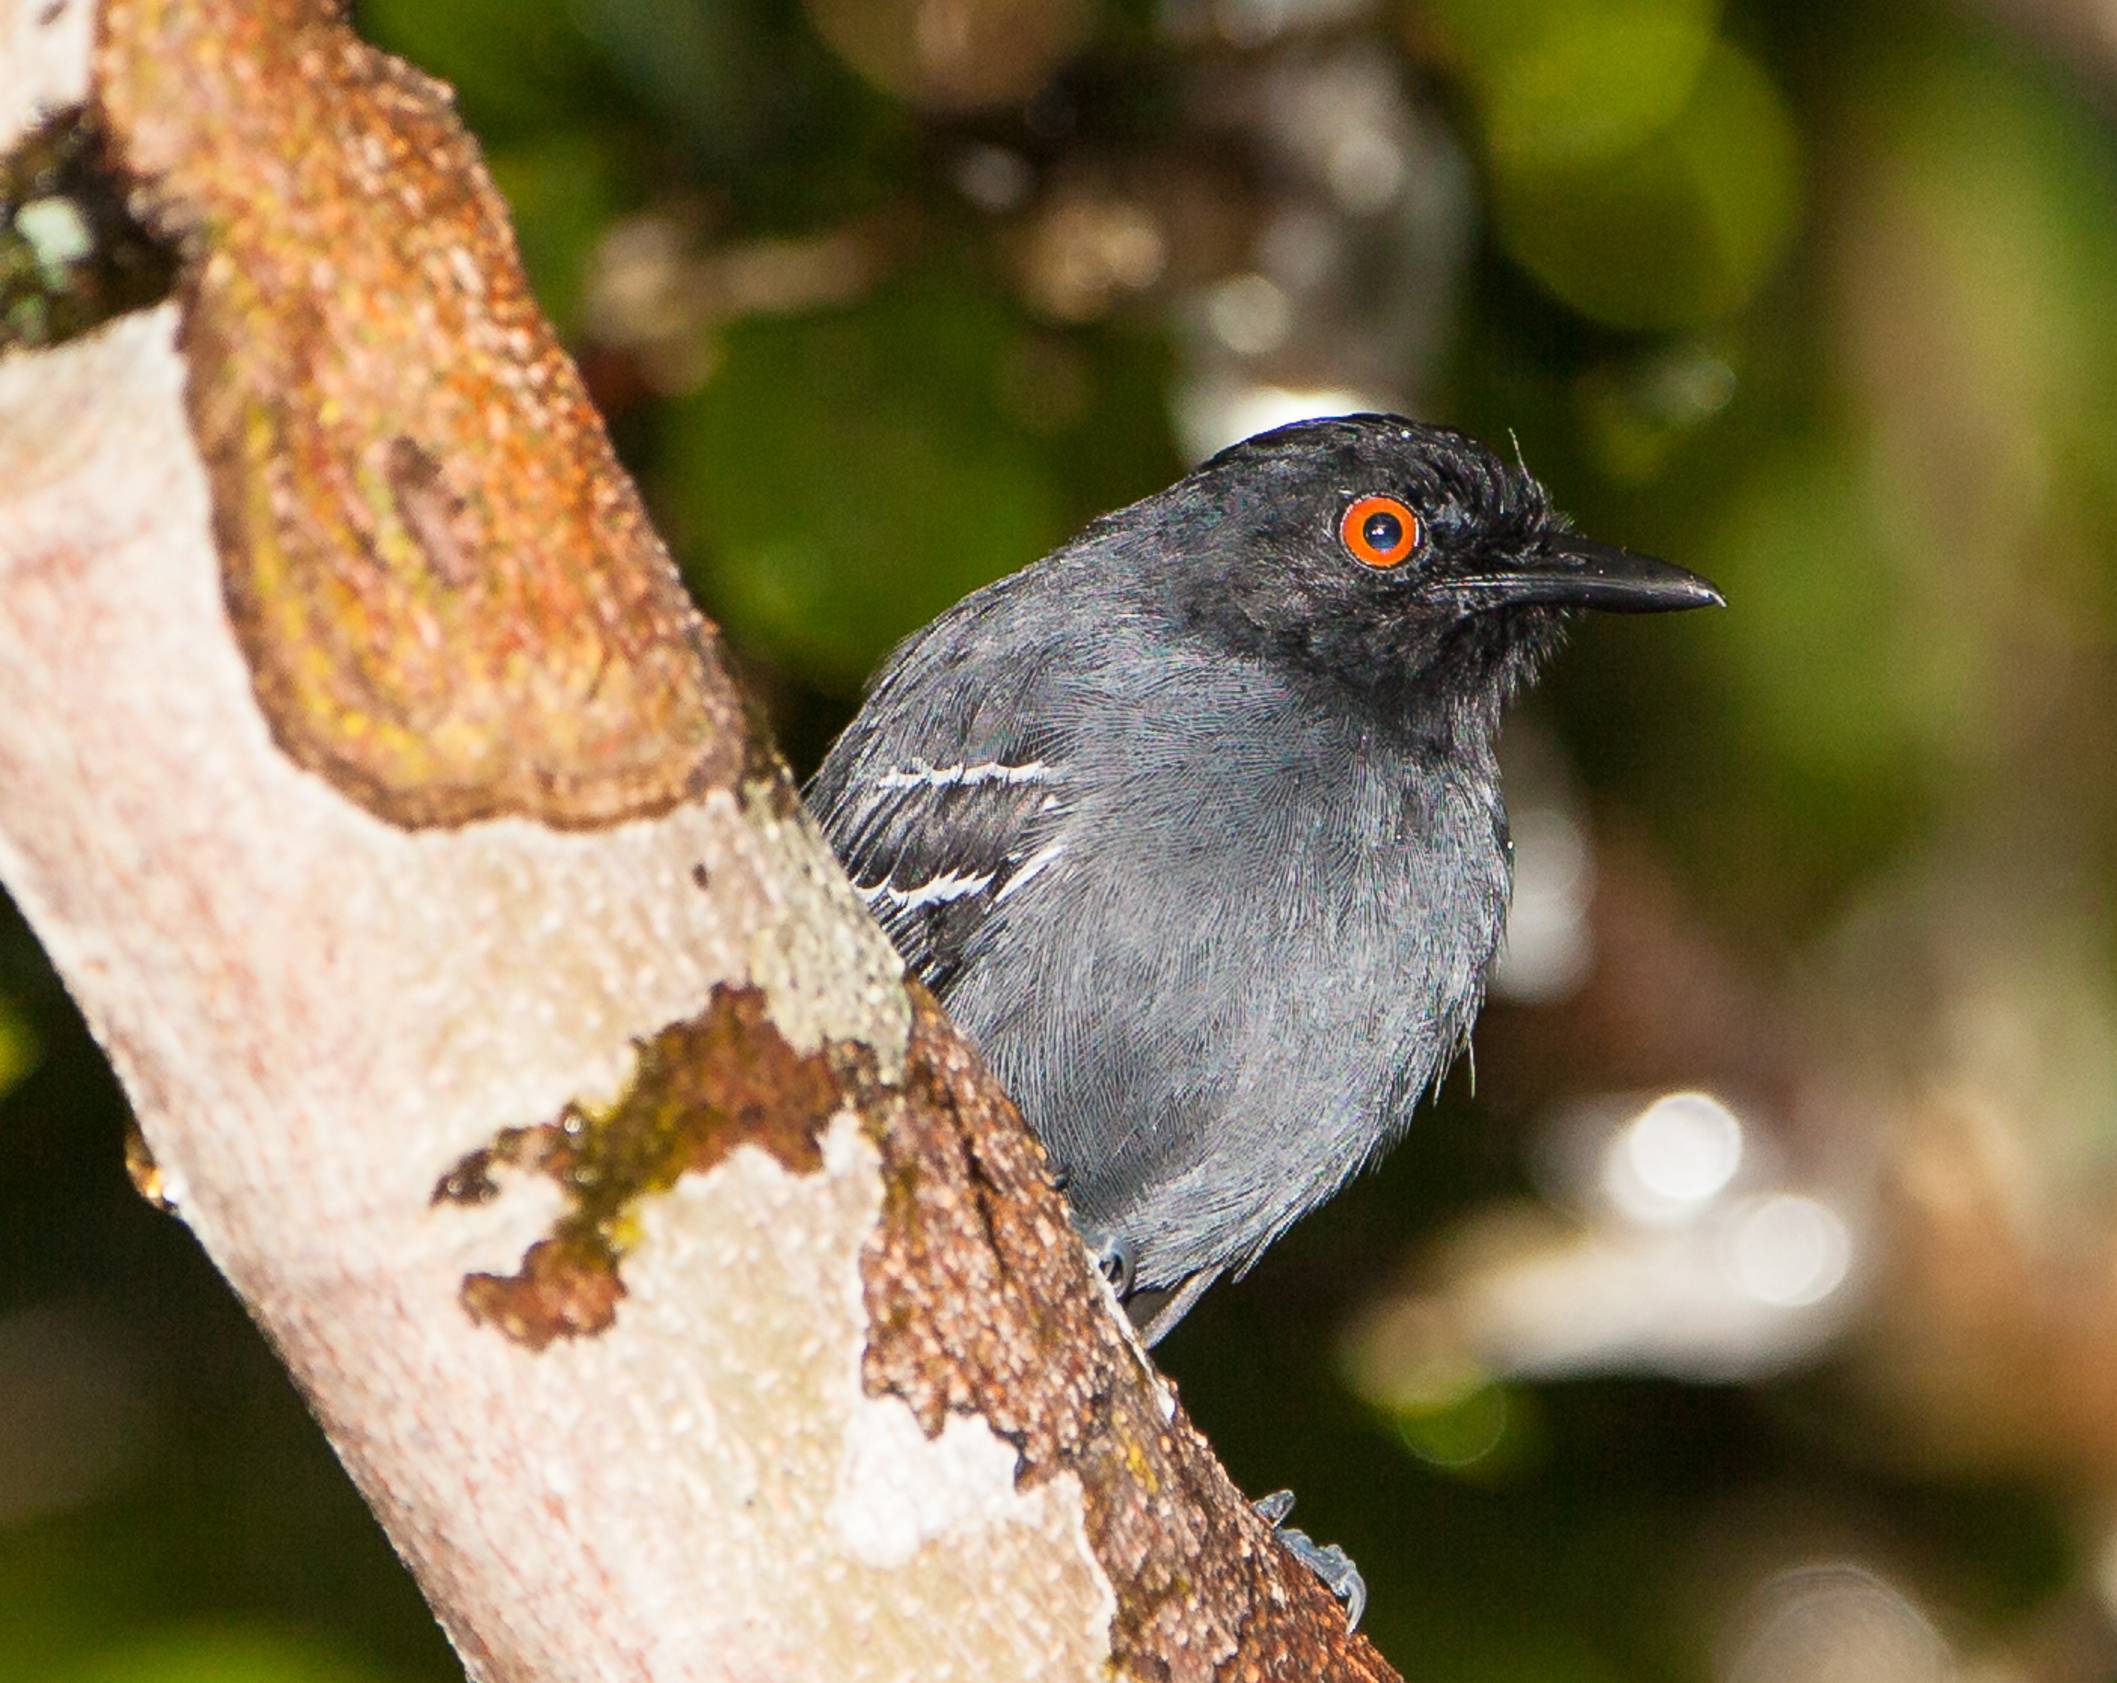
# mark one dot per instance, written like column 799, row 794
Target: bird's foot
column 1117, row 1259
column 1330, row 1563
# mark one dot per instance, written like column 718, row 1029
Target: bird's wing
column 937, row 849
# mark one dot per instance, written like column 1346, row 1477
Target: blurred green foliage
column 241, row 1654
column 1814, row 298
column 1679, row 229
column 850, row 475
column 1642, row 168
column 1562, row 84
column 888, row 471
column 18, row 1045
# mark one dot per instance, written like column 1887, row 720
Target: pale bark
column 374, row 789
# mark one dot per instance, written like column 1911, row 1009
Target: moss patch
column 71, row 255
column 702, row 1087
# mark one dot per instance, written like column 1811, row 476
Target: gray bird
column 1195, row 825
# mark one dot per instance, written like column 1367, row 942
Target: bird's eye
column 1379, row 532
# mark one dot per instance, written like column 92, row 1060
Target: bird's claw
column 1116, row 1260
column 1331, row 1564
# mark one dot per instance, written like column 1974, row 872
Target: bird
column 1195, row 826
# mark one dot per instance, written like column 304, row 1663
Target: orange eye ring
column 1379, row 532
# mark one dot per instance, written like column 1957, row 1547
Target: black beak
column 1580, row 573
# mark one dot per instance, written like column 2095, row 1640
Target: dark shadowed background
column 1753, row 1315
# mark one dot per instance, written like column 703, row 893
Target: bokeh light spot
column 1789, row 1250
column 1674, row 1156
column 951, row 54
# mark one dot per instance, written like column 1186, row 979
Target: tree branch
column 669, row 1276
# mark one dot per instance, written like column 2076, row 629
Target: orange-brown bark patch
column 562, row 1290
column 450, row 598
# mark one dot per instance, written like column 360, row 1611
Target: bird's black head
column 1399, row 559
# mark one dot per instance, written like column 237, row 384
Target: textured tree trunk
column 674, row 1284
